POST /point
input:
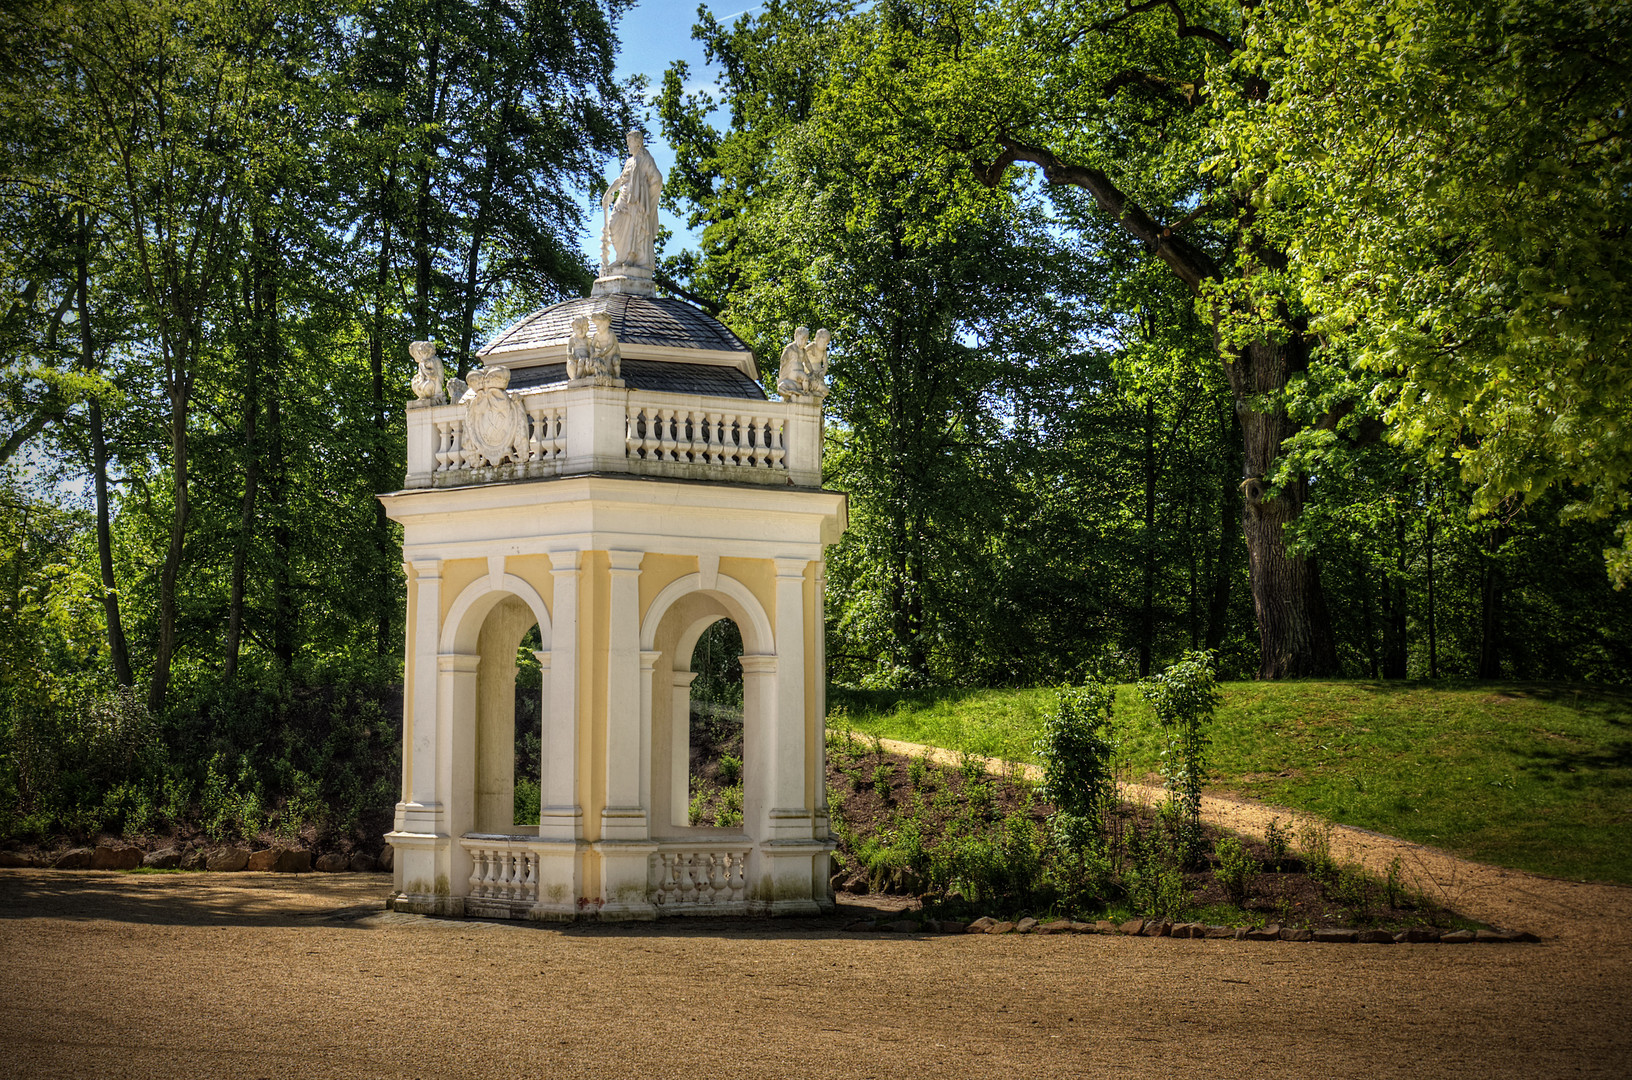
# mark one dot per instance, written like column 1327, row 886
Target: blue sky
column 654, row 34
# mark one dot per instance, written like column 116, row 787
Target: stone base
column 633, row 280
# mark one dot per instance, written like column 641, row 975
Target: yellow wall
column 658, row 572
column 759, row 575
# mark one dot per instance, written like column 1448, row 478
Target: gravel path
column 268, row 975
column 263, row 975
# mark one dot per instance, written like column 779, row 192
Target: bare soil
column 871, row 792
column 263, row 975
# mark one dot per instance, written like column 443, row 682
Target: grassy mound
column 1537, row 777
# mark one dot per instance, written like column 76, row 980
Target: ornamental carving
column 428, row 379
column 804, row 366
column 495, row 422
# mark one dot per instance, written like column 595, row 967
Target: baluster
column 739, row 868
column 712, row 454
column 648, row 431
column 476, row 871
column 733, row 439
column 717, row 877
column 669, row 885
column 778, row 451
column 696, row 880
column 558, row 432
column 686, row 432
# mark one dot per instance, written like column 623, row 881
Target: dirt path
column 1567, row 911
column 261, row 975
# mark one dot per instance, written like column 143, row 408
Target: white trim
column 490, row 585
column 759, row 624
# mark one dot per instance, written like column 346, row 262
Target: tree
column 1122, row 108
column 1452, row 184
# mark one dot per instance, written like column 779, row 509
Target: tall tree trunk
column 1147, row 598
column 261, row 309
column 1433, row 640
column 429, row 141
column 1490, row 612
column 1366, row 620
column 284, row 613
column 1229, row 540
column 179, row 386
column 384, row 593
column 118, row 650
column 1294, row 628
column 1395, row 652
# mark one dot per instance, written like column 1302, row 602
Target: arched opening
column 714, row 753
column 508, row 720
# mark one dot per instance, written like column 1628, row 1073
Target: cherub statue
column 605, row 357
column 816, row 365
column 428, row 379
column 804, row 365
column 578, row 364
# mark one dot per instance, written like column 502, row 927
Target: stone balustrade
column 504, row 874
column 574, row 430
column 700, row 879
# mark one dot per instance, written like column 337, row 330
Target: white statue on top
column 605, row 355
column 803, row 372
column 578, row 365
column 428, row 379
column 631, row 222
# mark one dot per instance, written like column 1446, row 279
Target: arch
column 464, row 622
column 739, row 602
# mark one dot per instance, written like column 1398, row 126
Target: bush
column 1184, row 698
column 1237, row 870
column 1077, row 756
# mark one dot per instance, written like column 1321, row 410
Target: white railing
column 700, row 879
column 546, row 442
column 705, row 436
column 504, row 869
column 595, row 429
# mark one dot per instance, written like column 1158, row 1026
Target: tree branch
column 1192, row 265
column 1185, row 29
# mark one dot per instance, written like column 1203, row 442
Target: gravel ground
column 266, row 975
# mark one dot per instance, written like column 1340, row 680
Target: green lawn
column 1532, row 776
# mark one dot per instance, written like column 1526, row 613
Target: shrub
column 730, row 770
column 1184, row 698
column 1278, row 839
column 1237, row 870
column 1077, row 756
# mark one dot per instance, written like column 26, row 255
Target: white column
column 680, row 747
column 790, row 815
column 423, row 802
column 819, row 766
column 544, row 658
column 455, row 770
column 624, row 817
column 560, row 812
column 758, row 744
column 648, row 661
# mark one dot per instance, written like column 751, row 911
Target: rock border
column 224, row 859
column 1417, row 935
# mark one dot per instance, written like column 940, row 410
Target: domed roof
column 636, row 320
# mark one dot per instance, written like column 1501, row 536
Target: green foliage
column 1451, row 183
column 1237, row 870
column 1077, row 753
column 1183, row 699
column 1278, row 839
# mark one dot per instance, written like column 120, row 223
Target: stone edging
column 227, row 859
column 1164, row 928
